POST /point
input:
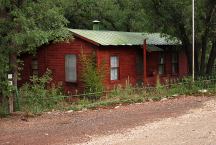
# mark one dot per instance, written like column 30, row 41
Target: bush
column 6, row 90
column 4, row 108
column 36, row 97
column 91, row 76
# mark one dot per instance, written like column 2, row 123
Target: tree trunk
column 212, row 58
column 188, row 50
column 186, row 45
column 203, row 54
column 196, row 60
column 207, row 22
column 189, row 57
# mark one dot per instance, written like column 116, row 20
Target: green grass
column 36, row 98
column 130, row 95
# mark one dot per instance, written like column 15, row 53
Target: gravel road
column 197, row 127
column 163, row 122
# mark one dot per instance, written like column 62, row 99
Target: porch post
column 145, row 62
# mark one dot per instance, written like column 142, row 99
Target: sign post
column 10, row 97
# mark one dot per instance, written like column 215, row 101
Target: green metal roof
column 106, row 38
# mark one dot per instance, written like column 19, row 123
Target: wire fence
column 126, row 92
column 200, row 83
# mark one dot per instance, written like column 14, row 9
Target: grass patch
column 130, row 95
column 37, row 98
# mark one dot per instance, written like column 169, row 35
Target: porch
column 157, row 63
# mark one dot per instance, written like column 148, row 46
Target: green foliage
column 26, row 25
column 4, row 107
column 174, row 18
column 36, row 97
column 121, row 15
column 6, row 90
column 165, row 16
column 92, row 76
column 132, row 94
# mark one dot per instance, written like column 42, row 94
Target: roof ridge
column 112, row 31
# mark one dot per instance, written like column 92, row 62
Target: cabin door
column 139, row 66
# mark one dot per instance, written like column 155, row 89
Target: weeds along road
column 184, row 120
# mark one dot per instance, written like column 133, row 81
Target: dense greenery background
column 28, row 24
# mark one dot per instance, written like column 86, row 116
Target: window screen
column 114, row 68
column 70, row 68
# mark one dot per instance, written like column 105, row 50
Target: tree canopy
column 174, row 17
column 26, row 25
column 164, row 16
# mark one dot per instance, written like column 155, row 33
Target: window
column 161, row 68
column 174, row 63
column 114, row 68
column 34, row 66
column 70, row 68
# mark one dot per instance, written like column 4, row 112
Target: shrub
column 6, row 90
column 91, row 76
column 36, row 97
column 4, row 107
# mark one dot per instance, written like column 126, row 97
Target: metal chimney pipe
column 96, row 25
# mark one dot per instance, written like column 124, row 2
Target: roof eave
column 86, row 39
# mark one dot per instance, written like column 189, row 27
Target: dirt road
column 165, row 122
column 196, row 128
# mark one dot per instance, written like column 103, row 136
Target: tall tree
column 121, row 15
column 174, row 18
column 26, row 25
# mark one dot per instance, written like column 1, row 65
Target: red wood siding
column 183, row 64
column 55, row 60
column 52, row 56
column 26, row 59
column 152, row 67
column 127, row 64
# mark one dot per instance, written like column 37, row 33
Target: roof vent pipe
column 96, row 25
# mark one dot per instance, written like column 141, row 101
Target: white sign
column 10, row 76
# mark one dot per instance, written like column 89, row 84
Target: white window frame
column 114, row 68
column 71, row 66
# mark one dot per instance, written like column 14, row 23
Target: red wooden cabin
column 137, row 57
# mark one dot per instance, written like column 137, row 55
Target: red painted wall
column 52, row 56
column 55, row 60
column 26, row 65
column 152, row 67
column 127, row 63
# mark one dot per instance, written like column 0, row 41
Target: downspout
column 145, row 62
